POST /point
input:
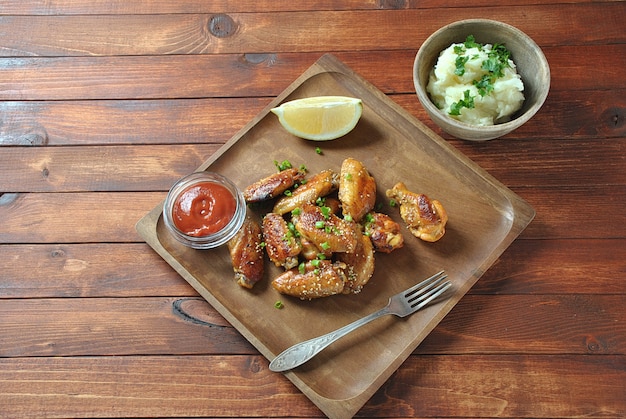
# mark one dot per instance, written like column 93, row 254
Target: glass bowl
column 204, row 210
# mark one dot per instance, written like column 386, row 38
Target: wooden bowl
column 531, row 63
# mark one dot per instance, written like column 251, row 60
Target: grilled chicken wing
column 273, row 185
column 425, row 219
column 319, row 185
column 310, row 251
column 333, row 203
column 383, row 232
column 357, row 189
column 325, row 230
column 319, row 278
column 247, row 254
column 360, row 265
column 281, row 243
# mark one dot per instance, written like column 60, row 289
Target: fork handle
column 300, row 353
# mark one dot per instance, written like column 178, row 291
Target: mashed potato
column 477, row 84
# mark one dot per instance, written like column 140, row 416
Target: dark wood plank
column 155, row 77
column 87, row 270
column 101, row 7
column 494, row 324
column 580, row 266
column 126, row 121
column 71, row 217
column 82, row 7
column 517, row 324
column 532, row 162
column 246, row 75
column 94, row 168
column 425, row 386
column 145, row 386
column 573, row 212
column 116, row 326
column 79, row 35
column 566, row 116
column 512, row 386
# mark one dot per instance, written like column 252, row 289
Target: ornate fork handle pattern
column 300, row 353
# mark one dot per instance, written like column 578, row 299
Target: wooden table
column 104, row 104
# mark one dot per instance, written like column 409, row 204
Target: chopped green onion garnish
column 284, row 165
column 292, row 228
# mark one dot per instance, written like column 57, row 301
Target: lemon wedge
column 320, row 118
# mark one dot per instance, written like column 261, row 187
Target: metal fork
column 401, row 305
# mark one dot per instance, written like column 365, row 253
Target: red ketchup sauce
column 203, row 208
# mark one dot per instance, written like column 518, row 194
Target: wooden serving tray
column 484, row 218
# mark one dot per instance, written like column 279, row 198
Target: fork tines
column 427, row 290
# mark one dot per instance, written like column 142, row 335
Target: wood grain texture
column 104, row 103
column 458, row 386
column 74, row 217
column 87, row 270
column 112, row 326
column 83, row 35
column 479, row 324
column 113, row 7
column 489, row 386
column 93, row 168
column 578, row 266
column 146, row 386
column 126, row 122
